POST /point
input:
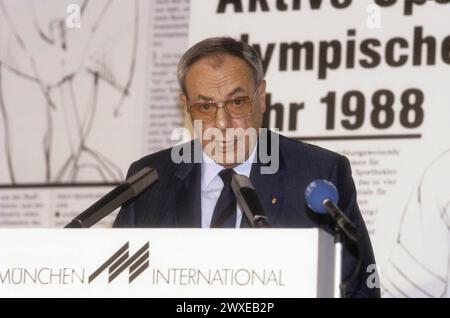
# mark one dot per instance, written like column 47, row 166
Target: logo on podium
column 121, row 260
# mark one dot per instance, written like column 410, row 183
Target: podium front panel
column 166, row 263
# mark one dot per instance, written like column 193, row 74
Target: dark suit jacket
column 174, row 201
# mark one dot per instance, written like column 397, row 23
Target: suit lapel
column 269, row 189
column 268, row 186
column 188, row 192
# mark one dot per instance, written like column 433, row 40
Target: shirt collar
column 210, row 168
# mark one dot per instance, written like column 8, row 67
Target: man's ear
column 188, row 121
column 262, row 95
column 184, row 101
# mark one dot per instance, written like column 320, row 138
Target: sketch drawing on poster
column 419, row 265
column 54, row 83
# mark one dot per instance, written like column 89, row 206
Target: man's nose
column 222, row 119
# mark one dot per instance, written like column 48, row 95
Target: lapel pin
column 274, row 200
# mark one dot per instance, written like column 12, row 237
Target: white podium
column 166, row 263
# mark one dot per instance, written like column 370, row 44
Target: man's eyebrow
column 238, row 89
column 200, row 96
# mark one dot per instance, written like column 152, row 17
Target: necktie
column 224, row 214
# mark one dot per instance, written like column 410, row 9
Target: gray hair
column 220, row 45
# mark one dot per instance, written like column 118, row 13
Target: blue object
column 319, row 190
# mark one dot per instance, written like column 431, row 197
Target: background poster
column 369, row 80
column 86, row 88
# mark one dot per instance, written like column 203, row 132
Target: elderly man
column 223, row 90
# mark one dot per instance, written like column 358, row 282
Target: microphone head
column 317, row 192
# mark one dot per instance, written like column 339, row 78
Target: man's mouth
column 227, row 143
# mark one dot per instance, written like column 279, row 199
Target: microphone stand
column 340, row 287
column 124, row 192
column 337, row 262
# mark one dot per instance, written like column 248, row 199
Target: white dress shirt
column 212, row 185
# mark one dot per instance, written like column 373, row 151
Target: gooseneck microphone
column 249, row 202
column 121, row 194
column 322, row 197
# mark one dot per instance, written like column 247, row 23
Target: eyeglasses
column 237, row 107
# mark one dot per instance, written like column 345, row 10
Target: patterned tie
column 224, row 214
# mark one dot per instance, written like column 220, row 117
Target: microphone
column 322, row 197
column 121, row 194
column 249, row 201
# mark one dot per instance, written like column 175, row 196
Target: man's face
column 221, row 78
